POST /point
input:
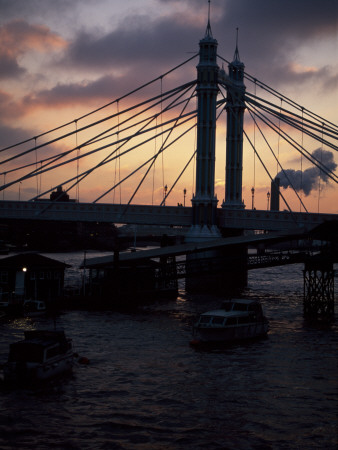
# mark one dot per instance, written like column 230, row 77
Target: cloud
column 137, row 39
column 9, row 109
column 36, row 8
column 9, row 67
column 106, row 87
column 18, row 37
column 308, row 179
column 8, row 135
column 273, row 34
column 150, row 46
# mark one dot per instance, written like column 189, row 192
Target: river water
column 146, row 388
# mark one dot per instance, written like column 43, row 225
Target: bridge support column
column 235, row 107
column 204, row 202
column 318, row 289
column 221, row 271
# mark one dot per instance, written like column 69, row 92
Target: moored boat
column 33, row 308
column 235, row 320
column 42, row 355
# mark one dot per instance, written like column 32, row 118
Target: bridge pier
column 221, row 271
column 318, row 289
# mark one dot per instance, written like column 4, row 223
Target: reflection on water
column 146, row 388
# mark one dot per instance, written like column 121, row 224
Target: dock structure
column 318, row 288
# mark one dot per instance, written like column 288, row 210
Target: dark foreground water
column 146, row 388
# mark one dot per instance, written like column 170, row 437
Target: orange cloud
column 299, row 69
column 18, row 36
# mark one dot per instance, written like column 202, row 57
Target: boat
column 33, row 308
column 40, row 356
column 235, row 320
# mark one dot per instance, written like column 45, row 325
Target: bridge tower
column 204, row 201
column 235, row 107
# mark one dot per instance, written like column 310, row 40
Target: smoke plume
column 308, row 179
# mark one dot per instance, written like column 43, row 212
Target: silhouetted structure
column 275, row 194
column 31, row 276
column 60, row 196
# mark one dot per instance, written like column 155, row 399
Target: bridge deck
column 174, row 216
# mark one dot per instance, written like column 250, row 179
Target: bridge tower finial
column 208, row 32
column 236, row 54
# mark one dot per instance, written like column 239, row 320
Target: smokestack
column 275, row 194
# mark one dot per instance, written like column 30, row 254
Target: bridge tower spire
column 235, row 107
column 204, row 202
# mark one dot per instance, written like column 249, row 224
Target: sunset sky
column 60, row 59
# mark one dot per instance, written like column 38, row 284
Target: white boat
column 33, row 308
column 237, row 319
column 40, row 356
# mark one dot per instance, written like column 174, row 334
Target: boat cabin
column 39, row 347
column 232, row 312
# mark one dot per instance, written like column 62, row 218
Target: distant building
column 275, row 194
column 60, row 196
column 31, row 276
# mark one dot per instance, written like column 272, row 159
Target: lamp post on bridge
column 165, row 193
column 184, row 194
column 252, row 197
column 268, row 198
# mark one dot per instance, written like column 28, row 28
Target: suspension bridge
column 126, row 144
column 99, row 165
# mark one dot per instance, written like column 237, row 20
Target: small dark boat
column 237, row 319
column 40, row 356
column 33, row 308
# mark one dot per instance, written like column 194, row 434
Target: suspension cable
column 267, row 171
column 252, row 114
column 104, row 106
column 159, row 152
column 295, row 145
column 188, row 163
column 86, row 154
column 293, row 118
column 168, row 107
column 143, row 164
column 288, row 100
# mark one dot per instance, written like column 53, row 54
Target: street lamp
column 165, row 193
column 184, row 194
column 268, row 197
column 253, row 197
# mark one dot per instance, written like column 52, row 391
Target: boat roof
column 223, row 313
column 244, row 301
column 43, row 338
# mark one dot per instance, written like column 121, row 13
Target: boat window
column 26, row 353
column 218, row 320
column 245, row 319
column 254, row 307
column 240, row 307
column 205, row 319
column 231, row 321
column 51, row 352
column 227, row 306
